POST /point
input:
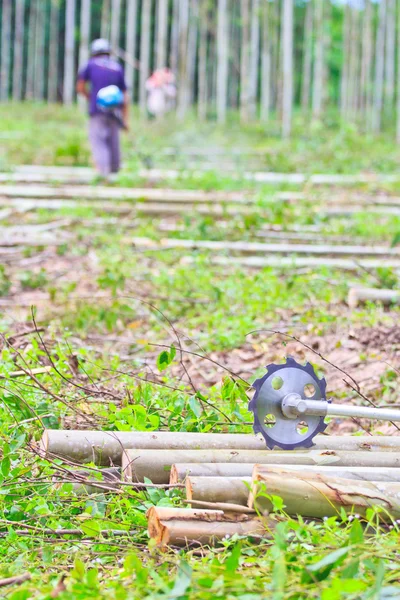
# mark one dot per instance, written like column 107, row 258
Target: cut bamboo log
column 293, row 262
column 105, row 447
column 36, row 371
column 358, row 295
column 257, row 176
column 119, row 193
column 187, row 526
column 253, row 247
column 233, row 490
column 156, row 464
column 180, row 472
column 319, row 495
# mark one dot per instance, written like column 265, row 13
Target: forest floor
column 141, row 337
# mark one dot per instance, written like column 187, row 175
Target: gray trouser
column 104, row 140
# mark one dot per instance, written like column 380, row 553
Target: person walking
column 102, row 82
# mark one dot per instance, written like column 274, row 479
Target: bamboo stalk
column 105, row 447
column 180, row 527
column 180, row 472
column 358, row 295
column 233, row 490
column 318, row 495
column 156, row 464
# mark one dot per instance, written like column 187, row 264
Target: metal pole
column 293, row 406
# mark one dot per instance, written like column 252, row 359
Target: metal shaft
column 293, row 406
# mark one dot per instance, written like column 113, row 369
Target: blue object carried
column 109, row 98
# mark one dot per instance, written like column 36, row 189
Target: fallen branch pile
column 230, row 479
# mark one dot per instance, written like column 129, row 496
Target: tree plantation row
column 264, row 58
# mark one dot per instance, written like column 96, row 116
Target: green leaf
column 395, row 240
column 195, row 406
column 182, row 582
column 356, row 535
column 79, row 568
column 232, row 562
column 5, row 466
column 321, row 569
column 91, row 528
column 163, row 360
column 279, row 575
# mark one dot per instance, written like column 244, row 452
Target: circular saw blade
column 266, row 404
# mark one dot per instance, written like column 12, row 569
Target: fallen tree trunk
column 233, row 490
column 358, row 295
column 292, row 262
column 156, row 464
column 187, row 526
column 319, row 495
column 180, row 472
column 105, row 447
column 254, row 247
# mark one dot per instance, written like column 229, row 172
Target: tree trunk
column 318, row 496
column 360, row 295
column 105, row 20
column 183, row 526
column 192, row 50
column 233, row 490
column 69, row 58
column 353, row 83
column 179, row 472
column 307, row 56
column 30, row 68
column 276, row 80
column 40, row 50
column 366, row 60
column 319, row 60
column 84, row 41
column 144, row 54
column 156, row 464
column 105, row 447
column 130, row 45
column 254, row 57
column 379, row 68
column 174, row 51
column 5, row 50
column 327, row 43
column 265, row 64
column 52, row 85
column 183, row 84
column 115, row 24
column 84, row 32
column 245, row 60
column 202, row 66
column 162, row 34
column 344, row 83
column 398, row 75
column 19, row 37
column 390, row 56
column 222, row 60
column 287, row 62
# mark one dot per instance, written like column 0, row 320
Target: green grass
column 112, row 324
column 43, row 134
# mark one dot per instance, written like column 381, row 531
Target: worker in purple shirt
column 100, row 74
